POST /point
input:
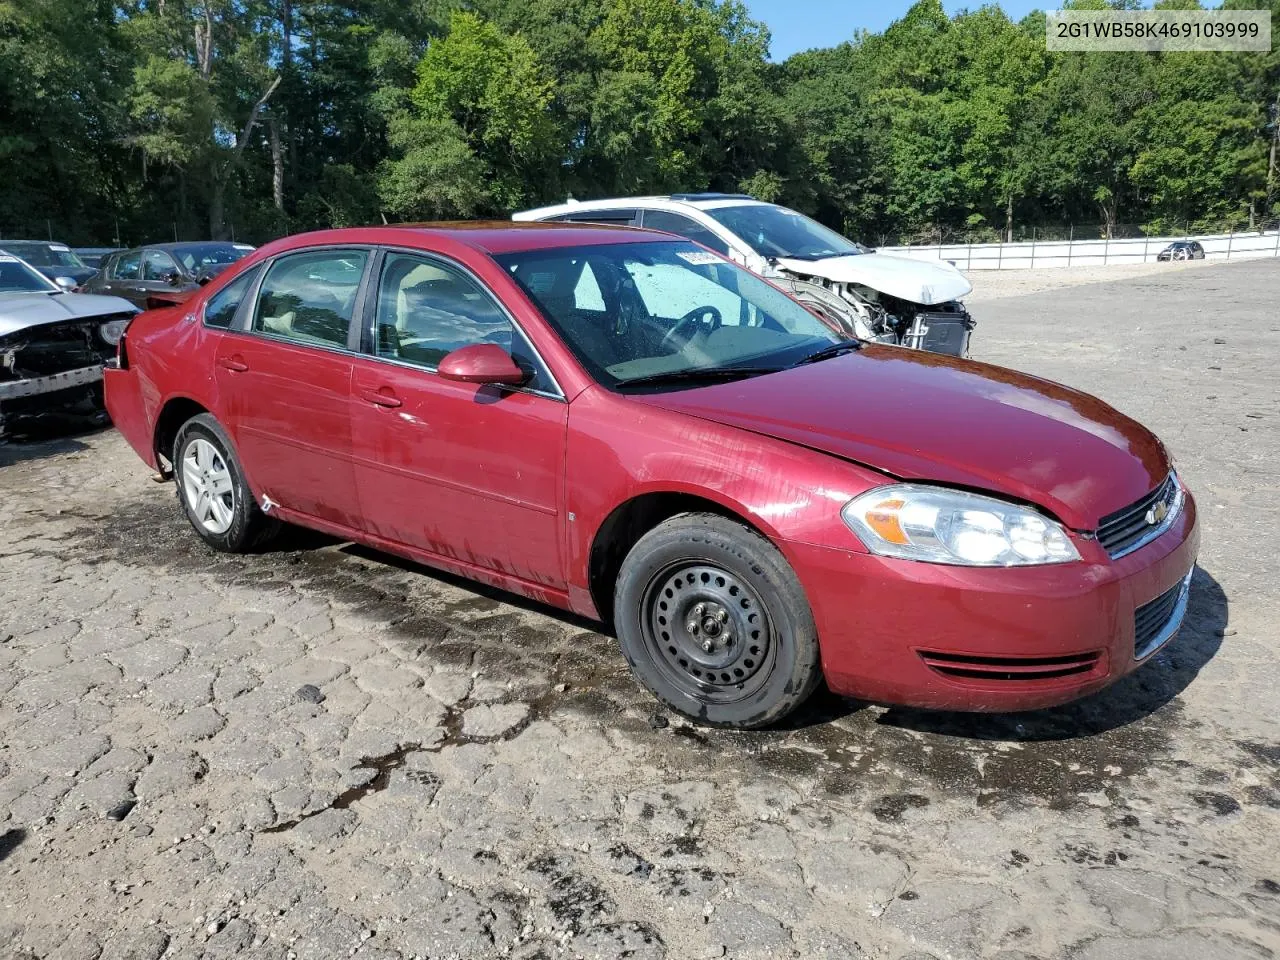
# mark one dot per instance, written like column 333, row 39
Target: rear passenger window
column 619, row 217
column 309, row 298
column 126, row 266
column 684, row 227
column 221, row 309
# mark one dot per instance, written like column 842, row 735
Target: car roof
column 186, row 244
column 491, row 237
column 675, row 201
column 4, row 244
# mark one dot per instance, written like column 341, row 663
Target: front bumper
column 34, row 386
column 994, row 639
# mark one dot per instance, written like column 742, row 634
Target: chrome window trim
column 371, row 321
column 506, row 388
column 1175, row 511
column 276, row 338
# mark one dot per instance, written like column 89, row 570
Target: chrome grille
column 1130, row 528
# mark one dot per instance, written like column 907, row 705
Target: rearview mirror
column 481, row 363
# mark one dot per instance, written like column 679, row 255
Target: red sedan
column 625, row 425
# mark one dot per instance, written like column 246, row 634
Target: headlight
column 112, row 331
column 936, row 525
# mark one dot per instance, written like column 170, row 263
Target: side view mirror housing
column 173, row 278
column 481, row 363
column 66, row 283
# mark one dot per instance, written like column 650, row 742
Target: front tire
column 212, row 489
column 714, row 622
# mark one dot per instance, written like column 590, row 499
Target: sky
column 800, row 24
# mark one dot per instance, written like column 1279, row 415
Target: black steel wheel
column 708, row 627
column 714, row 622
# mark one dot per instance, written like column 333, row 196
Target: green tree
column 474, row 133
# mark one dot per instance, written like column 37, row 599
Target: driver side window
column 427, row 309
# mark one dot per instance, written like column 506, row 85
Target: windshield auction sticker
column 1158, row 30
column 697, row 257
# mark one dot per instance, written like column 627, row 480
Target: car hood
column 21, row 310
column 919, row 281
column 925, row 416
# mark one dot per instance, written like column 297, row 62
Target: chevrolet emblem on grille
column 1157, row 513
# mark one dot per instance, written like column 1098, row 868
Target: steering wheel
column 714, row 321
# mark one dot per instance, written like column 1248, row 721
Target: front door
column 284, row 379
column 472, row 474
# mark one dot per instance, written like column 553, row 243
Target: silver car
column 53, row 345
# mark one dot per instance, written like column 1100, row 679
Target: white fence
column 1073, row 253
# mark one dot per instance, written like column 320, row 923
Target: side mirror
column 66, row 283
column 481, row 363
column 173, row 278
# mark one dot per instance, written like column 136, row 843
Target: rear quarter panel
column 170, row 356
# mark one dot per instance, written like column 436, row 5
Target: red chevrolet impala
column 625, row 425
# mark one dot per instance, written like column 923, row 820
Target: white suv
column 912, row 303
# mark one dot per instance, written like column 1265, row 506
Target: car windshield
column 658, row 315
column 778, row 232
column 17, row 277
column 196, row 257
column 45, row 254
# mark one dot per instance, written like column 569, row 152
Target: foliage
column 138, row 119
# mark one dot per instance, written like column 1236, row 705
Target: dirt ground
column 322, row 752
column 993, row 284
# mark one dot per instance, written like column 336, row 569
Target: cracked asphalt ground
column 321, row 752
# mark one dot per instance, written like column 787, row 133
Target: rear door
column 124, row 278
column 284, row 382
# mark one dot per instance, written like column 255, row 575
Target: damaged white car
column 53, row 345
column 873, row 296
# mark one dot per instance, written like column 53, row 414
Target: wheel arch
column 175, row 412
column 631, row 520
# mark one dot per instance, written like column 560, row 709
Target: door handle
column 381, row 399
column 233, row 363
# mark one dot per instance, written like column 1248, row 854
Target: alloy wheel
column 207, row 484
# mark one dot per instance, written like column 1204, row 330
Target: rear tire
column 714, row 622
column 212, row 489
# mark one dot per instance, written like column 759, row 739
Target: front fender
column 618, row 449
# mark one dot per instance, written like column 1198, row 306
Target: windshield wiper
column 832, row 350
column 698, row 373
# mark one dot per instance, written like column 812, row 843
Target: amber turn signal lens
column 883, row 519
